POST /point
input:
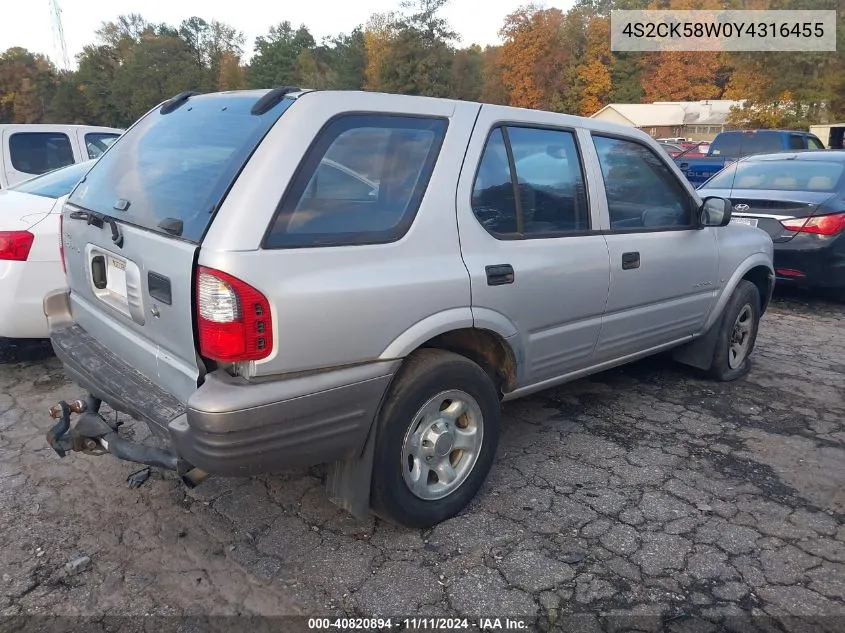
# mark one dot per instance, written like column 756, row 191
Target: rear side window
column 361, row 182
column 549, row 198
column 39, row 152
column 97, row 142
column 814, row 143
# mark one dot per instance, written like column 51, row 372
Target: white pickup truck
column 27, row 150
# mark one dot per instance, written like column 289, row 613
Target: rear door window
column 361, row 182
column 39, row 152
column 549, row 199
column 98, row 142
column 814, row 143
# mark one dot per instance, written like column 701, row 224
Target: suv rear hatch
column 132, row 228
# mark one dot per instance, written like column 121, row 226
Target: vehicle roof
column 766, row 131
column 362, row 96
column 65, row 126
column 835, row 155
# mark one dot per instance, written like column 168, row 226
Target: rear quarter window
column 361, row 182
column 98, row 142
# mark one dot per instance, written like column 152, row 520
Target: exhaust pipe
column 194, row 477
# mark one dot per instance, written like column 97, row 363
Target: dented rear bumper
column 231, row 426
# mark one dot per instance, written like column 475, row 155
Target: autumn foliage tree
column 548, row 58
column 534, row 57
column 594, row 73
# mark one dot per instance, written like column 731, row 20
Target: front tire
column 737, row 333
column 437, row 435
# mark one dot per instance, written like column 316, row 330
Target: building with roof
column 694, row 120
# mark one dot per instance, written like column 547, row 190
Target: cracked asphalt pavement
column 647, row 490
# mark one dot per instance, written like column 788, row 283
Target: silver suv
column 283, row 278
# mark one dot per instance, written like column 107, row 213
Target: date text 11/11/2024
column 417, row 624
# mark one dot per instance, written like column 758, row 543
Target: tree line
column 549, row 59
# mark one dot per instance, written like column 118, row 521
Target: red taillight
column 62, row 242
column 233, row 318
column 15, row 245
column 818, row 225
column 789, row 272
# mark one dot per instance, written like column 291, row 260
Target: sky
column 477, row 21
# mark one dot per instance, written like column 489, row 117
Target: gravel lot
column 646, row 490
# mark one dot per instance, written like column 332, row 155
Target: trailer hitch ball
column 77, row 406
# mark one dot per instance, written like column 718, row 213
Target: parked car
column 28, row 150
column 30, row 265
column 799, row 200
column 727, row 147
column 257, row 322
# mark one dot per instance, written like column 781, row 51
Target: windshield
column 791, row 175
column 177, row 167
column 57, row 183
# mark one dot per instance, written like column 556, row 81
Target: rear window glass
column 177, row 167
column 725, row 145
column 98, row 142
column 761, row 143
column 790, row 175
column 39, row 152
column 796, row 141
column 361, row 182
column 55, row 184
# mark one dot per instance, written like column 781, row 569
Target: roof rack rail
column 272, row 99
column 174, row 102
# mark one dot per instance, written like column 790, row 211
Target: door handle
column 630, row 260
column 499, row 275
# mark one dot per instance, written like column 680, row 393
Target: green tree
column 346, row 54
column 467, row 81
column 493, row 90
column 419, row 58
column 209, row 43
column 276, row 54
column 26, row 86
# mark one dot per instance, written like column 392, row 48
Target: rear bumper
column 821, row 262
column 231, row 426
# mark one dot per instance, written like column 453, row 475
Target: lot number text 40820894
column 416, row 624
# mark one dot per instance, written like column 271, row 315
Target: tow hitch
column 94, row 435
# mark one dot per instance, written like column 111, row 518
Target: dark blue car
column 799, row 200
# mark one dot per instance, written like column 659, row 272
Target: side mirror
column 715, row 212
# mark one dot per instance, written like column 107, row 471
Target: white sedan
column 30, row 261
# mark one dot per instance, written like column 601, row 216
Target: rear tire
column 437, row 434
column 737, row 333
